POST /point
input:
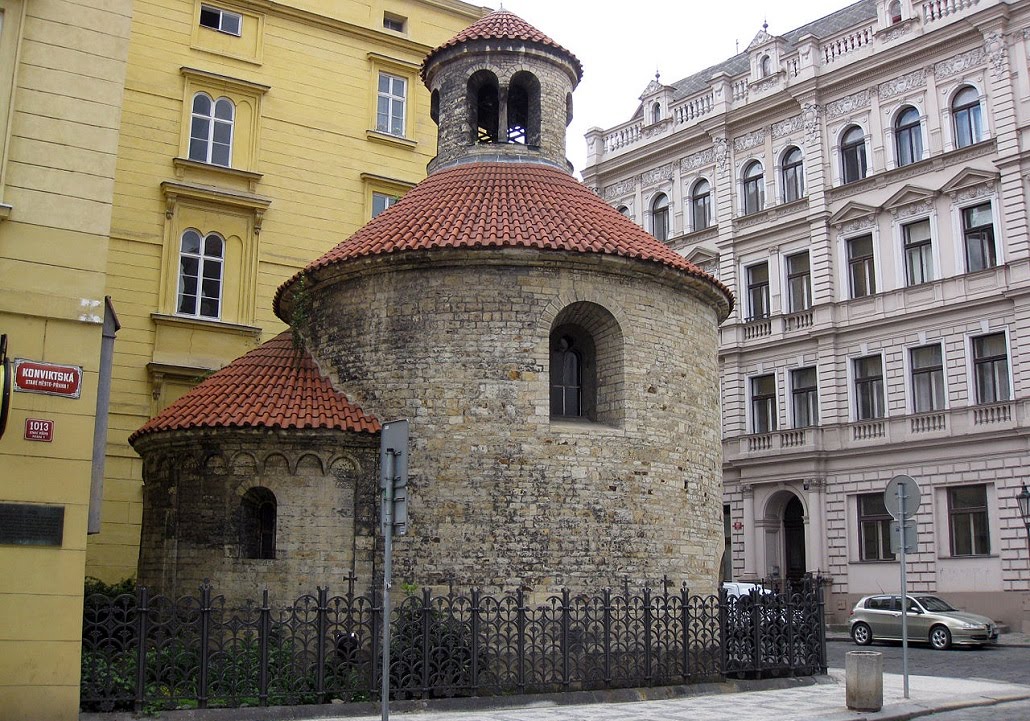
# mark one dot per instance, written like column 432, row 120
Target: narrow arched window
column 754, row 187
column 660, row 217
column 656, row 112
column 965, row 113
column 623, row 210
column 793, row 176
column 765, row 66
column 566, row 377
column 211, row 130
column 852, row 154
column 524, row 109
column 483, row 107
column 258, row 510
column 894, row 12
column 908, row 138
column 701, row 204
column 200, row 275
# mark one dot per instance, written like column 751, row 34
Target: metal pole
column 387, row 515
column 902, row 497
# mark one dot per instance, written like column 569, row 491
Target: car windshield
column 934, row 604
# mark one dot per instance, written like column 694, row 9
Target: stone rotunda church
column 557, row 365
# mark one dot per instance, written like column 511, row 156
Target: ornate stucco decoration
column 656, row 176
column 750, row 140
column 698, row 160
column 786, row 127
column 847, row 104
column 971, row 183
column 959, row 63
column 623, row 187
column 898, row 86
column 994, row 46
column 810, row 113
column 722, row 155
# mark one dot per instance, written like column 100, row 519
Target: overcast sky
column 621, row 44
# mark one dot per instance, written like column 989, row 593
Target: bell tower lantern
column 501, row 91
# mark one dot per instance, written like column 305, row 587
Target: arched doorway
column 794, row 540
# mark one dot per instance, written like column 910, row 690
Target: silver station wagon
column 930, row 620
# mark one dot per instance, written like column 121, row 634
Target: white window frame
column 910, row 397
column 959, row 231
column 781, row 185
column 785, row 270
column 222, row 15
column 750, row 419
column 669, row 233
column 711, row 203
column 838, row 157
column 845, row 267
column 391, row 99
column 212, row 122
column 971, row 365
column 901, row 254
column 951, row 137
column 745, row 306
column 202, row 258
column 388, row 201
column 853, row 388
column 891, row 132
column 818, row 396
column 760, row 186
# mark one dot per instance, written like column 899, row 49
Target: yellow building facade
column 255, row 135
column 62, row 71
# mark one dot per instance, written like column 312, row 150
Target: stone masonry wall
column 501, row 494
column 325, row 487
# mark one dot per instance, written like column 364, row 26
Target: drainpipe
column 96, row 482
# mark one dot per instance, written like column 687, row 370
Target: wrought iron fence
column 147, row 653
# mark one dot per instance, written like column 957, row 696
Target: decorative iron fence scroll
column 147, row 653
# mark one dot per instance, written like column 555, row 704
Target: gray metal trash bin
column 863, row 679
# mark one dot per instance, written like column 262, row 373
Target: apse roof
column 502, row 25
column 503, row 205
column 272, row 386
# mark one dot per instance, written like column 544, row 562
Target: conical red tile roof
column 503, row 25
column 266, row 388
column 503, row 205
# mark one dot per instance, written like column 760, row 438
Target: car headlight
column 970, row 626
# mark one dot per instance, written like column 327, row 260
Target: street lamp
column 1023, row 499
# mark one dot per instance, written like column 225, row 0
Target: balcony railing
column 797, row 321
column 929, row 422
column 868, row 430
column 994, row 413
column 940, row 9
column 759, row 328
column 840, row 46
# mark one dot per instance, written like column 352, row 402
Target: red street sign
column 49, row 378
column 39, row 429
column 737, row 526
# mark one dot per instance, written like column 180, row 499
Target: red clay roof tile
column 269, row 387
column 518, row 205
column 498, row 25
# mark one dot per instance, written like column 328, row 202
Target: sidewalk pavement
column 823, row 700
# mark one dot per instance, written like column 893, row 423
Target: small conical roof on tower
column 272, row 386
column 502, row 25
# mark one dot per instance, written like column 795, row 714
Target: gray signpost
column 902, row 498
column 393, row 480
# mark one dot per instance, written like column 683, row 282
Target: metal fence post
column 565, row 622
column 687, row 630
column 474, row 681
column 377, row 632
column 608, row 637
column 821, row 618
column 264, row 631
column 205, row 633
column 648, row 638
column 323, row 600
column 427, row 607
column 142, row 611
column 520, row 600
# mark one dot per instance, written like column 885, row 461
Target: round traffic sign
column 893, row 493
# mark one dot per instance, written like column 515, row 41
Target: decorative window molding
column 381, row 192
column 393, row 104
column 245, row 97
column 229, row 29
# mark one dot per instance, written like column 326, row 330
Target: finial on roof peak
column 657, row 75
column 765, row 24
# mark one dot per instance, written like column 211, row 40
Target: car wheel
column 940, row 638
column 861, row 634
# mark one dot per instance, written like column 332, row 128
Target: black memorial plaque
column 29, row 524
